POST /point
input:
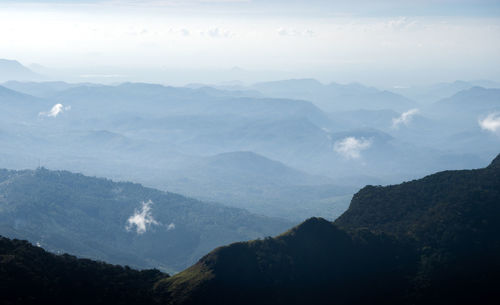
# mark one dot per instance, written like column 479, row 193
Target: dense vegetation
column 86, row 216
column 30, row 275
column 429, row 241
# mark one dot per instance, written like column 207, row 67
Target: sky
column 389, row 43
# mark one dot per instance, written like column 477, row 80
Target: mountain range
column 428, row 241
column 185, row 139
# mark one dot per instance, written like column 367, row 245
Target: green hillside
column 89, row 217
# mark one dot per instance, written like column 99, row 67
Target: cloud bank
column 142, row 219
column 351, row 147
column 55, row 111
column 405, row 118
column 491, row 122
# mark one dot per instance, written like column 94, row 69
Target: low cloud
column 351, row 147
column 171, row 226
column 142, row 219
column 491, row 122
column 55, row 111
column 405, row 118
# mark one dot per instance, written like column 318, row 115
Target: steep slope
column 30, row 275
column 121, row 223
column 428, row 241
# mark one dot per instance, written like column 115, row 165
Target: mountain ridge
column 423, row 247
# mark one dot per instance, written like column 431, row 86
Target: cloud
column 491, row 122
column 218, row 33
column 55, row 111
column 295, row 33
column 350, row 147
column 405, row 118
column 400, row 23
column 171, row 226
column 185, row 32
column 143, row 219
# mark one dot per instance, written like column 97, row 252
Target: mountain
column 430, row 94
column 30, row 275
column 335, row 97
column 39, row 89
column 13, row 70
column 263, row 186
column 462, row 110
column 122, row 223
column 427, row 241
column 154, row 99
column 475, row 98
column 16, row 105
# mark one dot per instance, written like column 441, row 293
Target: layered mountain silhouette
column 428, row 241
column 13, row 70
column 335, row 97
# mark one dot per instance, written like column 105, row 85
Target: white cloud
column 491, row 122
column 405, row 118
column 351, row 147
column 294, row 32
column 55, row 110
column 171, row 226
column 142, row 219
column 217, row 33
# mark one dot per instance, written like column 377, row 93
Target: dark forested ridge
column 429, row 241
column 30, row 275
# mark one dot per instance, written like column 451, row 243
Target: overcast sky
column 390, row 42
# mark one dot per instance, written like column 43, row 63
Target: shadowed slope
column 429, row 241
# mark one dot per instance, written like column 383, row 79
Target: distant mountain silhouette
column 432, row 93
column 13, row 70
column 260, row 185
column 335, row 97
column 475, row 99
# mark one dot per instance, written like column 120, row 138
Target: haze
column 178, row 42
